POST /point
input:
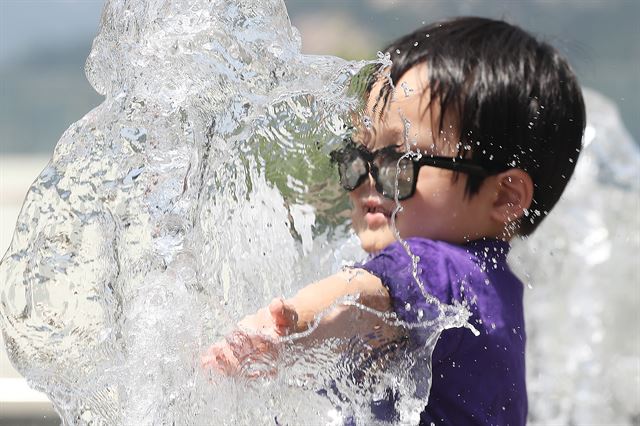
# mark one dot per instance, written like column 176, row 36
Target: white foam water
column 200, row 188
column 197, row 191
column 583, row 357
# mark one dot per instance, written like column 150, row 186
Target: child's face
column 439, row 209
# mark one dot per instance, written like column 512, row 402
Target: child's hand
column 252, row 349
column 278, row 319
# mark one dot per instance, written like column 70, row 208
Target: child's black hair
column 515, row 100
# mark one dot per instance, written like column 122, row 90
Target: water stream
column 201, row 188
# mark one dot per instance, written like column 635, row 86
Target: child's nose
column 368, row 186
column 371, row 182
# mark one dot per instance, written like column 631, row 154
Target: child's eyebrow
column 366, row 137
column 399, row 148
column 392, row 135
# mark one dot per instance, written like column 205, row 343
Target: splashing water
column 582, row 310
column 181, row 204
column 200, row 188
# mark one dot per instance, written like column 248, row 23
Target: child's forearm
column 317, row 297
column 295, row 315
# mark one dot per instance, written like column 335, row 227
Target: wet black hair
column 515, row 100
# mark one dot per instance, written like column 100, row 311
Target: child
column 497, row 119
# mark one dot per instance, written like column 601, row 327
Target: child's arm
column 315, row 298
column 294, row 315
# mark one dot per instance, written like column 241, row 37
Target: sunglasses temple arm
column 458, row 166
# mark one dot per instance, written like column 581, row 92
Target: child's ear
column 514, row 192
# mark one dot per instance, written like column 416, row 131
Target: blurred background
column 44, row 43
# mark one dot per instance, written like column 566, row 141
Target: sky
column 33, row 24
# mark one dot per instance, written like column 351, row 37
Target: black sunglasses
column 355, row 163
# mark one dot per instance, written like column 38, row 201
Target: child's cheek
column 357, row 220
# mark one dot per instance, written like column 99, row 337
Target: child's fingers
column 251, row 347
column 220, row 358
column 255, row 357
column 241, row 353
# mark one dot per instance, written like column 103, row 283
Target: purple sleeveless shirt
column 476, row 380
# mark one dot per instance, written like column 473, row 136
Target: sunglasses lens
column 352, row 168
column 391, row 167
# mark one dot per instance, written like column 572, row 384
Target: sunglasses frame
column 449, row 163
